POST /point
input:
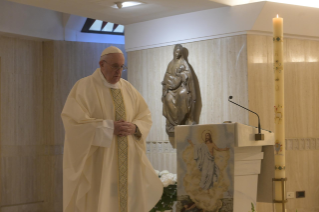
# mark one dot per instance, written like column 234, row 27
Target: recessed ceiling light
column 119, row 5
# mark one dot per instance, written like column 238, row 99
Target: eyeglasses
column 116, row 67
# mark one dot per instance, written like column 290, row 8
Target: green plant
column 252, row 207
column 168, row 197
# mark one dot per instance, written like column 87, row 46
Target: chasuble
column 103, row 172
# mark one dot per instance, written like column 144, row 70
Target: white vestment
column 90, row 169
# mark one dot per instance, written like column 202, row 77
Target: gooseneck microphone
column 258, row 136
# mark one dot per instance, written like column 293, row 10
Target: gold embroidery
column 122, row 150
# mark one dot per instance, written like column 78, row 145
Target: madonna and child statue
column 179, row 93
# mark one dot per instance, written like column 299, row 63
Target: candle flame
column 277, row 16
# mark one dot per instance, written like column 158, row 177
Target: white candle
column 280, row 164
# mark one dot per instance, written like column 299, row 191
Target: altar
column 222, row 168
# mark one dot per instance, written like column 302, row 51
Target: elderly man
column 106, row 121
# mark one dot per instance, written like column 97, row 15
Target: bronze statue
column 179, row 93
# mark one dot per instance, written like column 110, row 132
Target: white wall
column 190, row 27
column 30, row 21
column 299, row 21
column 20, row 19
column 256, row 18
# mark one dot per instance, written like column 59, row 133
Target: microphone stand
column 258, row 136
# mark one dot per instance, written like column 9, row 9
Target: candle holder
column 283, row 200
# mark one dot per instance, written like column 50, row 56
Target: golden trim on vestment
column 122, row 150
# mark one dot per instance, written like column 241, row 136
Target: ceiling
column 102, row 10
column 152, row 9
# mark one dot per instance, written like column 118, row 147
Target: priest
column 106, row 121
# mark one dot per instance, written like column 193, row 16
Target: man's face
column 111, row 67
column 207, row 138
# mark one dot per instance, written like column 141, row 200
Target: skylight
column 102, row 27
column 96, row 26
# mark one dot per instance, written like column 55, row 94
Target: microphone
column 258, row 136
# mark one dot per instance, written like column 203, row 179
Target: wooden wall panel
column 0, row 143
column 48, row 92
column 302, row 115
column 220, row 66
column 21, row 123
column 260, row 80
column 301, row 84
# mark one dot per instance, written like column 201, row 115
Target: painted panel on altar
column 205, row 158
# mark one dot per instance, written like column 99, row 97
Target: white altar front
column 253, row 176
column 253, row 166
